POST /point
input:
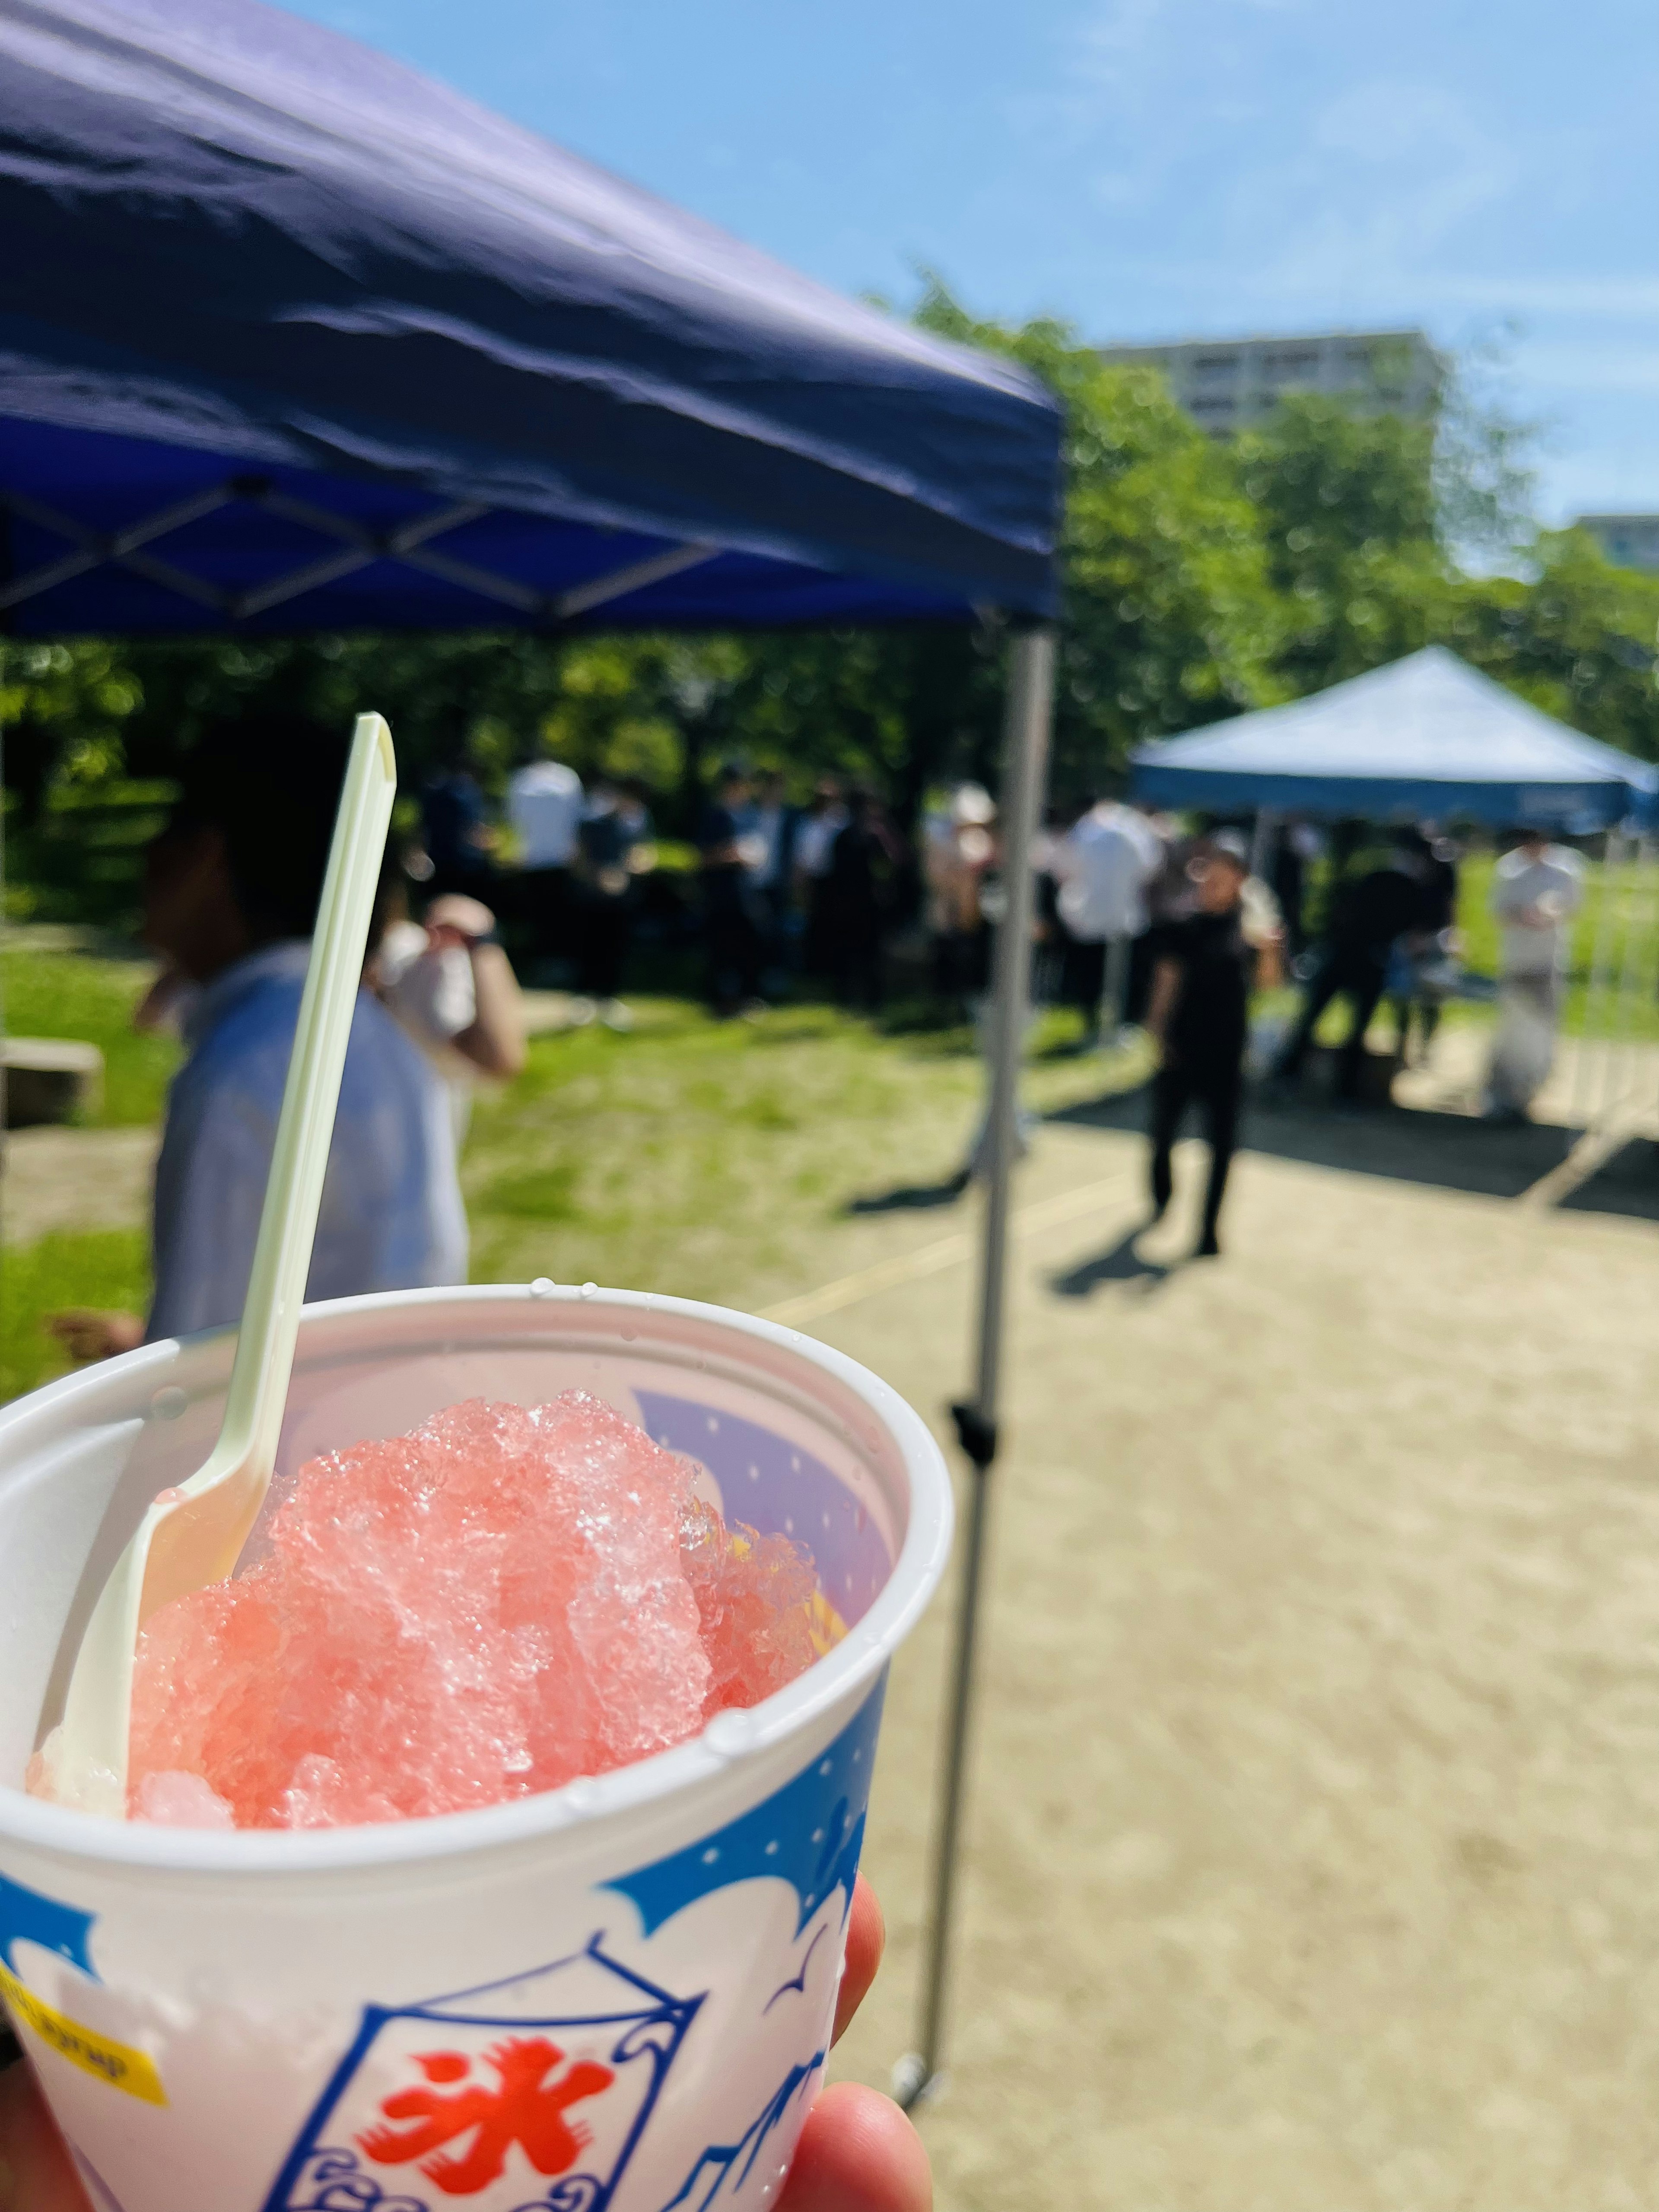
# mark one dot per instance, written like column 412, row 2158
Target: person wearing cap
column 729, row 846
column 1205, row 966
column 231, row 889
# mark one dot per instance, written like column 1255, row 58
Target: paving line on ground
column 1592, row 1153
column 947, row 1252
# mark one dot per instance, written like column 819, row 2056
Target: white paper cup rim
column 729, row 1741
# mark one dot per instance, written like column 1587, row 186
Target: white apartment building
column 1629, row 541
column 1228, row 385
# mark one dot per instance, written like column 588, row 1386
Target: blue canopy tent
column 291, row 338
column 1426, row 739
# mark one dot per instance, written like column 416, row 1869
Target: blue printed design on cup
column 781, row 1489
column 725, row 2169
column 526, row 2095
column 26, row 1917
column 532, row 2094
column 809, row 1834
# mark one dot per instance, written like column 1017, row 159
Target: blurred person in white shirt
column 1104, row 865
column 1536, row 890
column 230, row 897
column 544, row 806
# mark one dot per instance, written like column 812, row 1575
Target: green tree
column 1169, row 617
column 1577, row 638
column 1349, row 511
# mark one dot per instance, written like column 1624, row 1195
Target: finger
column 857, row 2153
column 36, row 2172
column 867, row 1939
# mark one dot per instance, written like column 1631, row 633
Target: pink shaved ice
column 491, row 1606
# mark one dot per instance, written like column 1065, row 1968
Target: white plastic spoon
column 194, row 1534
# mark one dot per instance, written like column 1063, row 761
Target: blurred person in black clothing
column 728, row 844
column 1169, row 898
column 864, row 864
column 1384, row 904
column 815, row 832
column 613, row 849
column 772, row 876
column 1296, row 845
column 1425, row 960
column 1204, row 966
column 455, row 831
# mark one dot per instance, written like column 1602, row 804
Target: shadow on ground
column 1448, row 1151
column 1122, row 1264
column 911, row 1197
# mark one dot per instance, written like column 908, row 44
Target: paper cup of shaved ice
column 495, row 1832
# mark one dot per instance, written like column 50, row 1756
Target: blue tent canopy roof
column 292, row 338
column 1426, row 739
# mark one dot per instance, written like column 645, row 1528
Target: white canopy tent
column 1425, row 738
column 1429, row 738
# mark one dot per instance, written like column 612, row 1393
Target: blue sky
column 1151, row 168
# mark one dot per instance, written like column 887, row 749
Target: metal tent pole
column 1635, row 920
column 1584, row 1114
column 5, row 1103
column 1026, row 756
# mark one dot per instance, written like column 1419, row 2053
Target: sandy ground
column 1315, row 1850
column 75, row 1179
column 1314, row 1853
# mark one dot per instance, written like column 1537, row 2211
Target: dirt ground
column 1314, row 1862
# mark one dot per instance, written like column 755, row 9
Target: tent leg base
column 916, row 2083
column 976, row 1434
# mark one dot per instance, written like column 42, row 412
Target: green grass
column 709, row 1159
column 705, row 1158
column 70, row 994
column 105, row 1268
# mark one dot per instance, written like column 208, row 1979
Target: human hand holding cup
column 857, row 2151
column 286, row 2021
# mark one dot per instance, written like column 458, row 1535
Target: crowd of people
column 1139, row 924
column 1145, row 926
column 784, row 889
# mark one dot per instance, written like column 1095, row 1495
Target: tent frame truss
column 358, row 546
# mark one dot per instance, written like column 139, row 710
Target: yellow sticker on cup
column 117, row 2063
